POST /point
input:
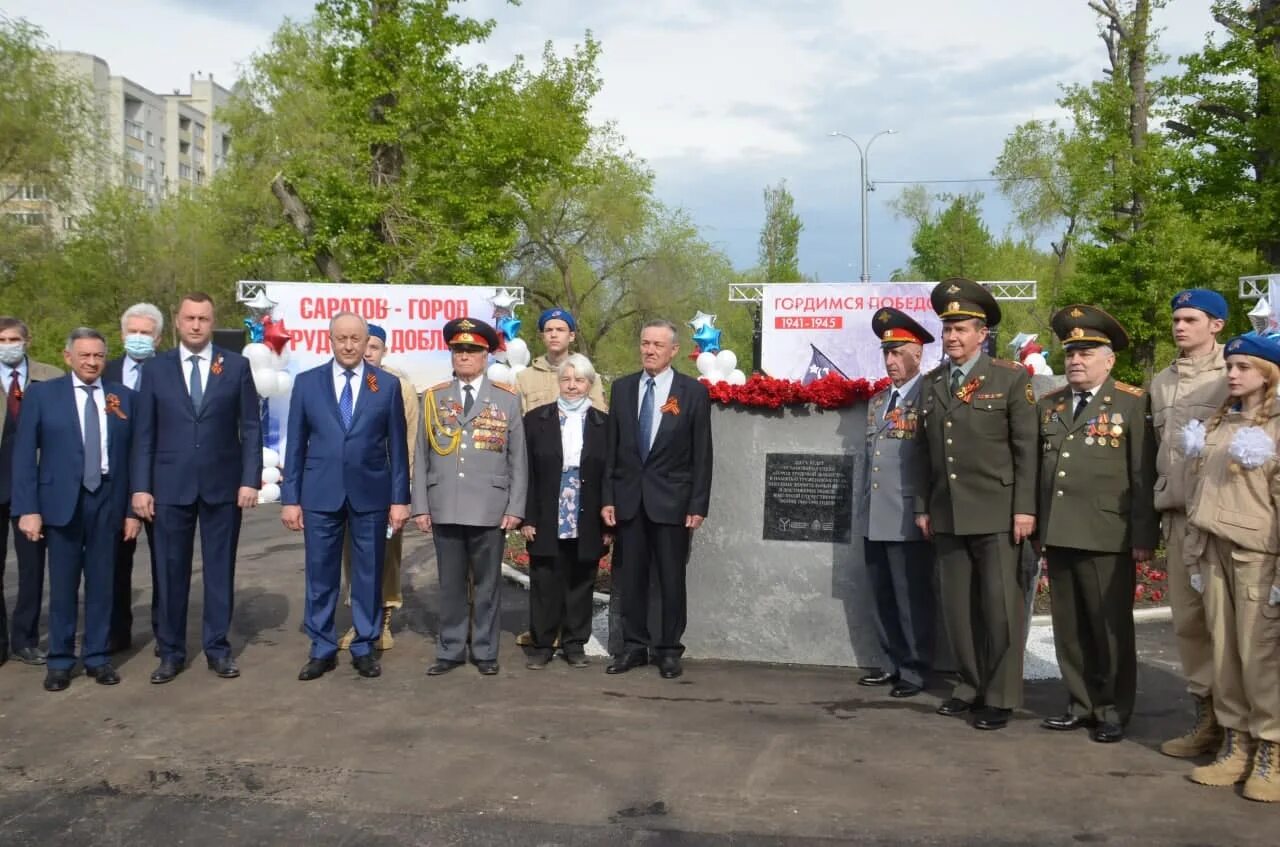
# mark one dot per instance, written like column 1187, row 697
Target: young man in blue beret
column 538, row 383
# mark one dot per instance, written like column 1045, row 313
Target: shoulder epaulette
column 439, row 385
column 505, row 386
column 1005, row 363
column 1129, row 389
column 1057, row 393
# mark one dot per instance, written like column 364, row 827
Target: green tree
column 949, row 241
column 780, row 236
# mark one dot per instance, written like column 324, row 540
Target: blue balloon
column 509, row 326
column 708, row 339
column 254, row 325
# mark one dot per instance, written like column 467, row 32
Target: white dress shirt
column 475, row 389
column 340, row 382
column 6, row 375
column 100, row 400
column 131, row 373
column 206, row 362
column 661, row 391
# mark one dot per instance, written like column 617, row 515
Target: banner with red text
column 812, row 329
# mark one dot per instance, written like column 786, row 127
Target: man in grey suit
column 469, row 484
column 899, row 559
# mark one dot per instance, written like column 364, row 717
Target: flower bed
column 517, row 557
column 1151, row 590
column 764, row 392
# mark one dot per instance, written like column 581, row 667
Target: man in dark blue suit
column 71, row 484
column 346, row 470
column 198, row 460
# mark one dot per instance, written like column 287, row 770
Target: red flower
column 522, row 558
column 1139, row 592
column 764, row 392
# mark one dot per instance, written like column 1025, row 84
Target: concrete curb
column 522, row 579
column 1154, row 613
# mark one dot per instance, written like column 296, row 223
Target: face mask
column 573, row 405
column 13, row 352
column 140, row 346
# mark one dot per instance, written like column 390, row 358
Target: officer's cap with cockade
column 959, row 299
column 1252, row 344
column 1088, row 326
column 895, row 328
column 470, row 332
column 1211, row 303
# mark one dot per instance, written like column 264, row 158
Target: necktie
column 468, row 400
column 13, row 398
column 92, row 477
column 1081, row 403
column 346, row 403
column 956, row 376
column 137, row 375
column 645, row 422
column 893, row 403
column 194, row 386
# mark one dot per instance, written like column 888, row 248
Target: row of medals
column 1105, row 431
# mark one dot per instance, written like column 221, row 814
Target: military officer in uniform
column 469, row 485
column 899, row 559
column 976, row 498
column 1097, row 519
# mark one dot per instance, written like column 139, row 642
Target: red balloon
column 274, row 335
column 693, row 357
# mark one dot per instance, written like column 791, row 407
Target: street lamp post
column 864, row 185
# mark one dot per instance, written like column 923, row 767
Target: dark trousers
column 901, row 575
column 25, row 626
column 122, row 593
column 85, row 546
column 175, row 534
column 1091, row 595
column 663, row 549
column 325, row 534
column 560, row 589
column 982, row 610
column 475, row 552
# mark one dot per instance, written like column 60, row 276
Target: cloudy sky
column 723, row 97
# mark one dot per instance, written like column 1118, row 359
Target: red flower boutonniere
column 371, row 380
column 113, row 407
column 965, row 394
column 671, row 407
column 216, row 367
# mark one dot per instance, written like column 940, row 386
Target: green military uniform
column 980, row 430
column 1097, row 472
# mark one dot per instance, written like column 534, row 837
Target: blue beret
column 1252, row 344
column 557, row 314
column 1211, row 303
column 378, row 332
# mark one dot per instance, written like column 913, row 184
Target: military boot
column 385, row 641
column 1263, row 783
column 1232, row 764
column 344, row 643
column 1204, row 737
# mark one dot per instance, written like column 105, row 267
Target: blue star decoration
column 254, row 325
column 708, row 339
column 509, row 326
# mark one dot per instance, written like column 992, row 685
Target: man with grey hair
column 140, row 328
column 657, row 492
column 18, row 373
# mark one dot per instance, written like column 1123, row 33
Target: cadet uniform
column 1233, row 550
column 899, row 559
column 538, row 383
column 1189, row 389
column 470, row 471
column 1096, row 475
column 981, row 438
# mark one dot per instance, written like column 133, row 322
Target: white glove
column 1197, row 582
column 1274, row 600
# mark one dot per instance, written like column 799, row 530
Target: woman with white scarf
column 562, row 528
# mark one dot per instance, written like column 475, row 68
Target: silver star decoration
column 702, row 319
column 503, row 300
column 1260, row 315
column 260, row 304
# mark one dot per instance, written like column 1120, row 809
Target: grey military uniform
column 471, row 469
column 899, row 560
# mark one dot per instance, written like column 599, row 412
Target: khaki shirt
column 1189, row 389
column 539, row 386
column 412, row 410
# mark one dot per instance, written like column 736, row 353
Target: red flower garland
column 764, row 392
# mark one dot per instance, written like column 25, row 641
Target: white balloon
column 515, row 369
column 499, row 372
column 706, row 363
column 517, row 352
column 715, row 377
column 264, row 379
column 279, row 360
column 270, row 458
column 284, row 383
column 258, row 354
column 270, row 476
column 726, row 361
column 737, row 378
column 270, row 493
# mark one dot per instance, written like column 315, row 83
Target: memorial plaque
column 808, row 497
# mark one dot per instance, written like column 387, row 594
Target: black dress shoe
column 954, row 707
column 627, row 661
column 577, row 660
column 30, row 655
column 166, row 672
column 1108, row 733
column 316, row 668
column 442, row 667
column 905, row 689
column 104, row 674
column 487, row 668
column 225, row 667
column 669, row 668
column 538, row 661
column 992, row 718
column 55, row 680
column 367, row 666
column 1066, row 723
column 878, row 678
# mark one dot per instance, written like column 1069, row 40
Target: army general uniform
column 1096, row 475
column 470, row 470
column 899, row 559
column 981, row 438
